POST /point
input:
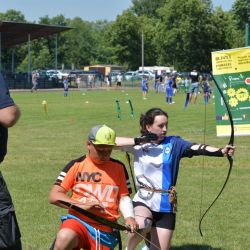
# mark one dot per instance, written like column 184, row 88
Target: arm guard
column 202, row 150
column 126, row 207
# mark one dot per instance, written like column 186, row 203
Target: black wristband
column 138, row 140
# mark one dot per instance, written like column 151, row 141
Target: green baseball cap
column 102, row 134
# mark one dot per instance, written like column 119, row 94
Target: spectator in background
column 174, row 84
column 156, row 82
column 144, row 86
column 178, row 82
column 91, row 81
column 194, row 75
column 169, row 89
column 119, row 80
column 34, row 81
column 10, row 236
column 206, row 89
column 65, row 86
column 78, row 81
column 107, row 80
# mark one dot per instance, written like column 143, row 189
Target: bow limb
column 94, row 216
column 230, row 159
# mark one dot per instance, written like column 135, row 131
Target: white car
column 128, row 75
column 57, row 74
column 147, row 73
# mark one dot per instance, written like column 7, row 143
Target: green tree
column 43, row 59
column 149, row 32
column 80, row 43
column 227, row 33
column 12, row 15
column 103, row 51
column 187, row 34
column 50, row 42
column 241, row 11
column 124, row 36
column 147, row 7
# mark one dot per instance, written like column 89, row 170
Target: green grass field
column 40, row 146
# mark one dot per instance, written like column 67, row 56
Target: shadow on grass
column 194, row 247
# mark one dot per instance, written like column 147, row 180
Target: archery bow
column 230, row 159
column 103, row 220
column 92, row 216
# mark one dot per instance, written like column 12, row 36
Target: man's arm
column 9, row 112
column 9, row 116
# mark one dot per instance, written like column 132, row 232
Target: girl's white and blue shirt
column 156, row 166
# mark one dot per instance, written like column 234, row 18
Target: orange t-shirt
column 104, row 183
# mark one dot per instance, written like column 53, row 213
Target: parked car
column 147, row 73
column 128, row 75
column 56, row 74
column 41, row 74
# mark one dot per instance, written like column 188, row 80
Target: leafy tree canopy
column 147, row 7
column 241, row 10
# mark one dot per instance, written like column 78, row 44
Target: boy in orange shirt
column 97, row 184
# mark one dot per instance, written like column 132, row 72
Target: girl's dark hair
column 149, row 117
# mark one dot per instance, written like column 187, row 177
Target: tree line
column 179, row 33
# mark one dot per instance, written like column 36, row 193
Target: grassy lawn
column 40, row 146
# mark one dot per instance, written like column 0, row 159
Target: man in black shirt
column 10, row 237
column 194, row 76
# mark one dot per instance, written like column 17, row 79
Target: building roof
column 13, row 33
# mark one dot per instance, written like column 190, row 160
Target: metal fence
column 24, row 81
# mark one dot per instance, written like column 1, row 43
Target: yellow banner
column 231, row 61
column 239, row 130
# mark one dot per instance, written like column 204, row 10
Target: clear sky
column 89, row 10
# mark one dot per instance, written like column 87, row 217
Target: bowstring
column 203, row 159
column 230, row 158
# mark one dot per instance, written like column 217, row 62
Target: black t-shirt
column 5, row 101
column 194, row 75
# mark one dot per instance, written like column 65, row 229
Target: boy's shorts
column 85, row 240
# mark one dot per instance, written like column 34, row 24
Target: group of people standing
column 171, row 82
